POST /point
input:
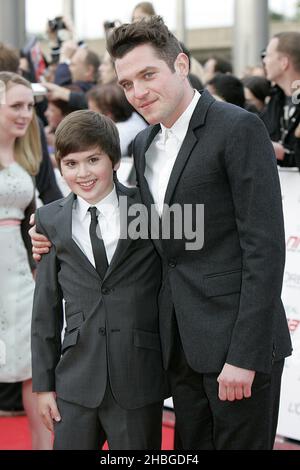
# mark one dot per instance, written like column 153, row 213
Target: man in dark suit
column 222, row 324
column 106, row 378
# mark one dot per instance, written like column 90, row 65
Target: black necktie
column 97, row 244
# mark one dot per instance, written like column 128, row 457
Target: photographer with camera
column 77, row 65
column 63, row 47
column 84, row 73
column 63, row 75
column 58, row 30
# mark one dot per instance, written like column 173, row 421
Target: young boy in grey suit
column 106, row 378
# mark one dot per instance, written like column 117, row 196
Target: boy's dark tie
column 97, row 244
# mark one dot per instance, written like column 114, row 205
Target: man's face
column 78, row 67
column 273, row 61
column 156, row 92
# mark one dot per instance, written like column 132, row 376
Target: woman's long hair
column 28, row 150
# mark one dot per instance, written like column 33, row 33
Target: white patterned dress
column 16, row 282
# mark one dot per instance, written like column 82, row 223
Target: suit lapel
column 141, row 163
column 197, row 120
column 64, row 230
column 130, row 198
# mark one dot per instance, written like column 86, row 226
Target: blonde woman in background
column 20, row 156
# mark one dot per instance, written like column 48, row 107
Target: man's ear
column 285, row 61
column 182, row 65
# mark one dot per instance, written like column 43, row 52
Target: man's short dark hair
column 289, row 44
column 85, row 130
column 151, row 31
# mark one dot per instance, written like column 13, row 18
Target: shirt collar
column 106, row 206
column 180, row 127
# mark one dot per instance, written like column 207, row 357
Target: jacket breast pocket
column 222, row 283
column 199, row 179
column 70, row 339
column 74, row 321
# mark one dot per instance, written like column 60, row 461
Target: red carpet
column 14, row 434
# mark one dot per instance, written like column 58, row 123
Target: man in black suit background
column 223, row 328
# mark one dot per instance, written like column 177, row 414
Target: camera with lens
column 109, row 25
column 57, row 24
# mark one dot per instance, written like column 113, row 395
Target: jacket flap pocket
column 223, row 283
column 74, row 321
column 70, row 340
column 146, row 339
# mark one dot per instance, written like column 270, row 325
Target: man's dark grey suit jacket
column 226, row 296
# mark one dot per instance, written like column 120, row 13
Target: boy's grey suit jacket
column 111, row 324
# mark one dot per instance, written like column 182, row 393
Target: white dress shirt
column 163, row 151
column 109, row 220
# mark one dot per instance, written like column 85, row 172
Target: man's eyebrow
column 140, row 72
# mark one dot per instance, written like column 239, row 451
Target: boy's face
column 156, row 92
column 89, row 174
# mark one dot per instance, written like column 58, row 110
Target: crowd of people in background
column 76, row 78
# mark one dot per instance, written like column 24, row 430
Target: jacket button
column 102, row 331
column 105, row 290
column 172, row 263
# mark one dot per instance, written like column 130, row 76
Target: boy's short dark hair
column 84, row 130
column 151, row 31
